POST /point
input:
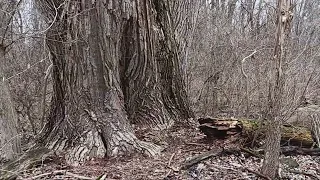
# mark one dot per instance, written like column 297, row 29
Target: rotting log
column 253, row 131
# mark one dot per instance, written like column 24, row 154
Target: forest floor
column 180, row 144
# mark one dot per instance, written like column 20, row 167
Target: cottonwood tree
column 114, row 62
column 9, row 137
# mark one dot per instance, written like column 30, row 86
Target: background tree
column 9, row 137
column 230, row 63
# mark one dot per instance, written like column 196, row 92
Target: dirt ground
column 180, row 144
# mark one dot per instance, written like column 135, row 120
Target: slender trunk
column 272, row 147
column 231, row 10
column 9, row 137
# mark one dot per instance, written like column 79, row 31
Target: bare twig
column 244, row 60
column 246, row 78
column 169, row 163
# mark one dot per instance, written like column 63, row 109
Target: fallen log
column 293, row 150
column 253, row 131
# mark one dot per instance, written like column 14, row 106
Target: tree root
column 91, row 147
column 27, row 160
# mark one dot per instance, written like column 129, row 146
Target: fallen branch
column 46, row 174
column 286, row 150
column 223, row 168
column 196, row 144
column 78, row 176
column 258, row 174
column 311, row 175
column 60, row 172
column 201, row 157
column 293, row 150
column 251, row 152
column 169, row 163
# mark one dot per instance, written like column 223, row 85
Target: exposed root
column 26, row 161
column 90, row 147
column 94, row 146
column 149, row 148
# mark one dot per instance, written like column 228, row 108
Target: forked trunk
column 105, row 66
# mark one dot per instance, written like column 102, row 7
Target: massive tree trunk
column 111, row 59
column 9, row 137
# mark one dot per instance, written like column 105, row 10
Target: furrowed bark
column 98, row 79
column 9, row 137
column 154, row 87
column 274, row 118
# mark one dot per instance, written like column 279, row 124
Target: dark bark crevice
column 150, row 70
column 171, row 72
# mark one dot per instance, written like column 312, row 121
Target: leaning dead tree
column 9, row 137
column 114, row 62
column 274, row 115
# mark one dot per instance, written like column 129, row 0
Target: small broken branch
column 170, row 160
column 244, row 60
column 258, row 174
